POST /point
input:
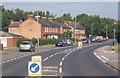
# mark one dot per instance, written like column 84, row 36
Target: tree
column 66, row 35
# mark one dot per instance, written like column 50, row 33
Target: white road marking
column 45, row 59
column 11, row 59
column 99, row 57
column 63, row 58
column 105, row 57
column 7, row 60
column 18, row 57
column 60, row 69
column 51, row 56
column 61, row 63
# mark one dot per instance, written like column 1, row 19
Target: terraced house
column 43, row 28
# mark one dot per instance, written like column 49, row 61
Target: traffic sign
column 34, row 68
column 114, row 30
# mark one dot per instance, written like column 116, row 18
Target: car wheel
column 20, row 50
column 34, row 50
column 31, row 50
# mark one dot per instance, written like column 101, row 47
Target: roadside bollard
column 80, row 44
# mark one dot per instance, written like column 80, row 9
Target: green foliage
column 66, row 35
column 118, row 33
column 47, row 41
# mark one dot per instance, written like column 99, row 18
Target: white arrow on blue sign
column 34, row 68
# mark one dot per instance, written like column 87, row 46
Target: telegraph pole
column 37, row 30
column 75, row 29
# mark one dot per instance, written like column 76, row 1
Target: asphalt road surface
column 67, row 61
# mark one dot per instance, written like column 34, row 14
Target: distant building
column 78, row 31
column 8, row 39
column 46, row 28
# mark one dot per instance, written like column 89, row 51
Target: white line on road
column 61, row 63
column 51, row 56
column 45, row 59
column 99, row 57
column 60, row 69
column 105, row 57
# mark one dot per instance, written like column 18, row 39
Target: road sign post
column 114, row 33
column 35, row 67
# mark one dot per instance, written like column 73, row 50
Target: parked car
column 69, row 42
column 99, row 38
column 85, row 40
column 26, row 46
column 93, row 40
column 61, row 43
column 105, row 39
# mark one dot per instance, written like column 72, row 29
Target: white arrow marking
column 33, row 68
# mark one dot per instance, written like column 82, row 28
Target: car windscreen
column 25, row 43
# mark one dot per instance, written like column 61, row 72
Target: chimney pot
column 30, row 16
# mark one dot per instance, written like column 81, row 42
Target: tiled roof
column 15, row 24
column 48, row 23
column 6, row 34
column 77, row 26
column 61, row 24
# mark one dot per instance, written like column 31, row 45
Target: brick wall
column 11, row 42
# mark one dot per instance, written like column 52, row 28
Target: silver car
column 26, row 46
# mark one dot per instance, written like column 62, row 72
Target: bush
column 47, row 41
column 73, row 39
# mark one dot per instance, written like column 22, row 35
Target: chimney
column 44, row 18
column 50, row 19
column 66, row 23
column 30, row 16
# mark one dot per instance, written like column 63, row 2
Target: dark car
column 26, row 46
column 60, row 43
column 85, row 40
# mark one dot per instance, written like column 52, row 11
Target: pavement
column 108, row 56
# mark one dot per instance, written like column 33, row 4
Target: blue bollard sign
column 34, row 68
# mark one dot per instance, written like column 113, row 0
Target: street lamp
column 37, row 30
column 75, row 29
column 106, row 31
column 92, row 29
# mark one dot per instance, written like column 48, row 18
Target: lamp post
column 37, row 30
column 75, row 29
column 92, row 29
column 106, row 31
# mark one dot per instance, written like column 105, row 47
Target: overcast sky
column 60, row 0
column 105, row 8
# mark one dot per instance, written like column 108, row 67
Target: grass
column 8, row 50
column 116, row 48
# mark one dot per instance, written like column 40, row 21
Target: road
column 67, row 61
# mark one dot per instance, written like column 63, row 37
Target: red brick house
column 78, row 31
column 45, row 28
